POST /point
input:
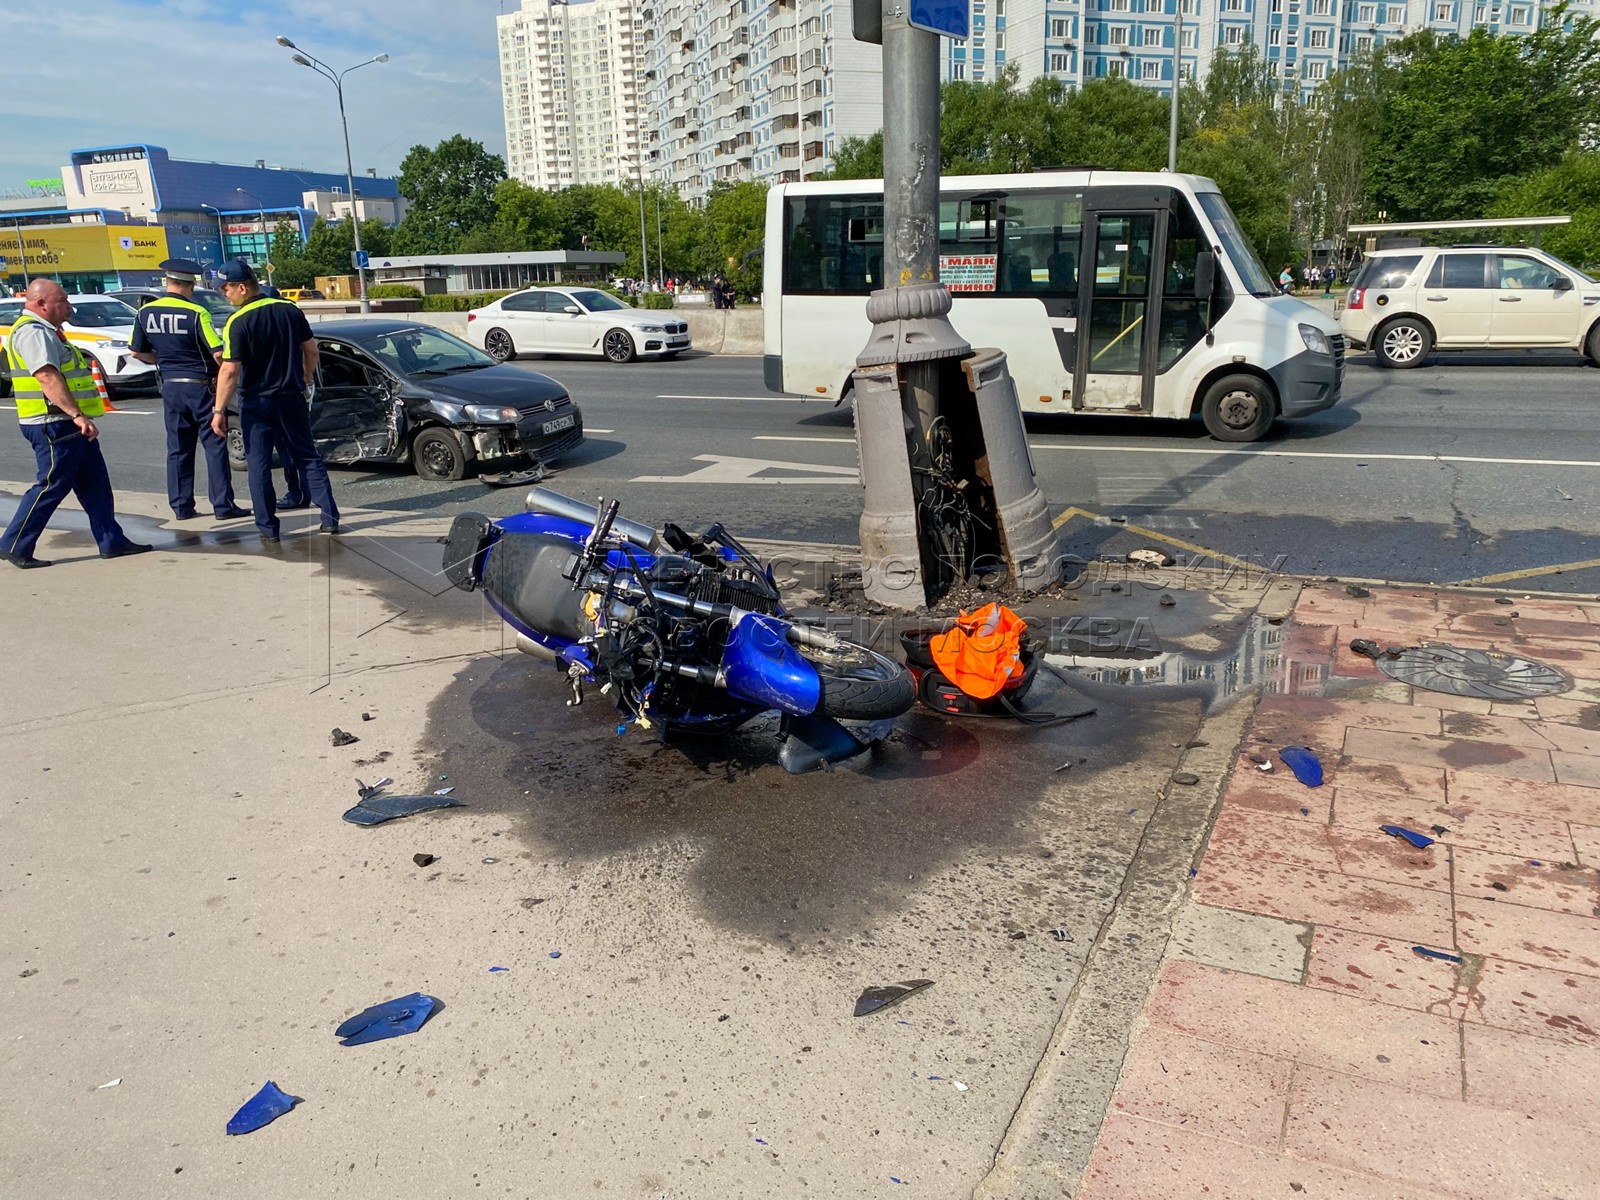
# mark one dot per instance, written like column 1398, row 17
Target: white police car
column 102, row 326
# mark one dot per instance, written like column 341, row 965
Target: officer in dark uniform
column 179, row 336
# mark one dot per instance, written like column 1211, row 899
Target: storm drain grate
column 1480, row 673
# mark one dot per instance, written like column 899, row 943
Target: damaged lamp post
column 944, row 458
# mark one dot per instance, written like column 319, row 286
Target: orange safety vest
column 982, row 651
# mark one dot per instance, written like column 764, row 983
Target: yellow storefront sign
column 59, row 249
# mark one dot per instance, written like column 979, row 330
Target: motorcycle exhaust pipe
column 528, row 646
column 543, row 500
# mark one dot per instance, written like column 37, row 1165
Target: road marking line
column 772, row 396
column 1092, row 449
column 1528, row 573
column 724, row 469
column 1068, row 513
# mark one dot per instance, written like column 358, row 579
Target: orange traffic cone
column 100, row 384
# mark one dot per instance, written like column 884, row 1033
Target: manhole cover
column 1480, row 673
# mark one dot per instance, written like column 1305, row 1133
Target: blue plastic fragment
column 392, row 1018
column 1420, row 840
column 265, row 1107
column 1534, row 862
column 935, row 1076
column 1440, row 954
column 492, row 970
column 555, row 954
column 1193, row 871
column 761, row 1141
column 892, row 1179
column 1306, row 766
column 1305, row 812
column 622, row 728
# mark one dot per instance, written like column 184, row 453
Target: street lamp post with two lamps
column 337, row 79
column 266, row 239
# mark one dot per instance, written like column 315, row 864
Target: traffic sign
column 359, row 259
column 952, row 18
column 4, row 262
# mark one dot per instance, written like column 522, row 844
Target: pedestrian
column 178, row 336
column 1328, row 278
column 1286, row 280
column 269, row 359
column 717, row 298
column 1315, row 277
column 53, row 384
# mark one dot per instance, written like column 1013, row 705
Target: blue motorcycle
column 683, row 633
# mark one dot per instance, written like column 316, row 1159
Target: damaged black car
column 396, row 391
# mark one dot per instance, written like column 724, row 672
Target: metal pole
column 644, row 246
column 1177, row 82
column 222, row 238
column 661, row 271
column 350, row 178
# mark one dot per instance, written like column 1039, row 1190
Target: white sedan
column 102, row 326
column 580, row 321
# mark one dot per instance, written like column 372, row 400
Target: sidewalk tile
column 1205, row 1088
column 1325, row 898
column 1527, row 626
column 1471, row 791
column 1547, row 886
column 1383, row 971
column 1470, row 704
column 1308, row 1025
column 1276, row 791
column 1480, row 1152
column 1579, row 661
column 1586, row 841
column 1571, row 738
column 1301, row 841
column 1529, row 935
column 1521, row 710
column 1371, row 854
column 1384, row 746
column 1347, row 664
column 1402, row 778
column 1501, row 833
column 1140, row 1160
column 1528, row 1075
column 1549, row 1004
column 1236, row 941
column 1580, row 769
column 1569, row 710
column 1505, row 730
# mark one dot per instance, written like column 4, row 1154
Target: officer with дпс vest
column 179, row 336
column 57, row 403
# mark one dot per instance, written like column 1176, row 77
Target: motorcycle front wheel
column 858, row 684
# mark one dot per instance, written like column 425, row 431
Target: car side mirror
column 573, row 309
column 1205, row 274
column 1563, row 284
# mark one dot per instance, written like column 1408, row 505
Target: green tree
column 857, row 158
column 1469, row 114
column 1572, row 188
column 737, row 213
column 450, row 190
column 290, row 267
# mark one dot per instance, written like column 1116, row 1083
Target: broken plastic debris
column 875, row 998
column 109, row 1083
column 445, row 791
column 1305, row 812
column 761, row 1141
column 493, row 970
column 1534, row 862
column 958, row 1085
column 364, row 790
column 340, row 738
column 1261, row 761
column 265, row 1107
column 366, row 716
column 392, row 1018
column 1149, row 556
column 1420, row 840
column 1356, row 591
column 1306, row 766
column 1440, row 830
column 1061, row 934
column 1439, row 954
column 1366, row 647
column 555, row 954
column 374, row 810
column 423, row 860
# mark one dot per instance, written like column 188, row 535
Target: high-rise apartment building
column 569, row 75
column 752, row 89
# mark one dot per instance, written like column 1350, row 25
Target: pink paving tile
column 1140, row 1160
column 1308, row 1025
column 1505, row 730
column 1205, row 1088
column 1381, row 745
column 1579, row 661
column 1570, row 738
column 1470, row 791
column 1486, row 1153
column 1580, row 769
column 1300, row 841
column 1384, row 971
column 1308, row 641
column 1529, row 935
column 1557, row 1005
column 1526, row 626
column 1478, row 829
column 1347, row 664
column 1521, row 710
column 1276, row 792
column 1449, row 703
column 1325, row 898
column 1549, row 885
column 1586, row 841
column 1546, row 1080
column 1401, row 778
column 1371, row 854
column 1569, row 710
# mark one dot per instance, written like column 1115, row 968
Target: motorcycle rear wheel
column 859, row 684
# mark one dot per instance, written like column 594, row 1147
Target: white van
column 1404, row 304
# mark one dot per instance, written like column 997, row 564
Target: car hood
column 499, row 384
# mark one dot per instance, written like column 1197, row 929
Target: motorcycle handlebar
column 543, row 500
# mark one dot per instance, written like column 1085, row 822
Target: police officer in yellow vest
column 57, row 403
column 178, row 335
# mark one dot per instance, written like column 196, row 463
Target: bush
column 655, row 300
column 394, row 291
column 444, row 304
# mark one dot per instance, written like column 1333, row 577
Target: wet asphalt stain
column 777, row 856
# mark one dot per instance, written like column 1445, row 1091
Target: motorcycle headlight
column 1316, row 341
column 491, row 414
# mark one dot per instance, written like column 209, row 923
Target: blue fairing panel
column 763, row 668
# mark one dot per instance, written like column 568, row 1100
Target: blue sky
column 205, row 79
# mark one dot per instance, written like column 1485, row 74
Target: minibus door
column 1118, row 302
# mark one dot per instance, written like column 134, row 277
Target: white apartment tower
column 569, row 75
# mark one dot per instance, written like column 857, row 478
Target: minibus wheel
column 1239, row 408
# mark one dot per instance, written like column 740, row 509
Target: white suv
column 1404, row 304
column 101, row 325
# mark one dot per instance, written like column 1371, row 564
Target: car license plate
column 557, row 425
column 681, row 339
